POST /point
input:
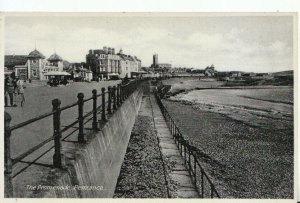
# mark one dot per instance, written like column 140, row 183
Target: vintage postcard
column 183, row 106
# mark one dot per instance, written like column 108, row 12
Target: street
column 38, row 102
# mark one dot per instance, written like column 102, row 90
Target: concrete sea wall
column 91, row 169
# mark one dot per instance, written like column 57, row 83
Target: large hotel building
column 105, row 63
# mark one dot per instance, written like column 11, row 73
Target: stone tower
column 35, row 61
column 155, row 60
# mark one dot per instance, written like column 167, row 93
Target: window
column 34, row 73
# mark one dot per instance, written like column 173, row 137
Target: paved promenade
column 179, row 181
column 38, row 101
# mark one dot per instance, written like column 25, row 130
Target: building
column 12, row 61
column 128, row 65
column 139, row 63
column 210, row 71
column 54, row 63
column 178, row 70
column 27, row 66
column 106, row 63
column 165, row 66
column 251, row 74
column 155, row 60
column 160, row 67
column 33, row 66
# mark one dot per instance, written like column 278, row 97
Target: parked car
column 53, row 82
column 79, row 79
column 114, row 77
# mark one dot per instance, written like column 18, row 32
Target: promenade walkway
column 179, row 181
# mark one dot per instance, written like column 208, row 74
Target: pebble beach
column 245, row 160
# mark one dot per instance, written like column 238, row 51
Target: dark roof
column 55, row 57
column 136, row 58
column 126, row 57
column 36, row 54
column 12, row 60
column 198, row 71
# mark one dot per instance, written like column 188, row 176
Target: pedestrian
column 21, row 93
column 10, row 89
column 6, row 91
column 16, row 79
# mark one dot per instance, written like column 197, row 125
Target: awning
column 8, row 72
column 57, row 73
column 113, row 74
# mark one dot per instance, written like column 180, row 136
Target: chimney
column 90, row 51
column 113, row 51
column 109, row 50
column 105, row 50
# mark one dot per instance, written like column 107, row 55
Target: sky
column 245, row 43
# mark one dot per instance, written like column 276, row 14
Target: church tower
column 155, row 60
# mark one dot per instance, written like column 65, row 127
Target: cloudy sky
column 247, row 43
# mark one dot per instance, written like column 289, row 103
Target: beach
column 245, row 136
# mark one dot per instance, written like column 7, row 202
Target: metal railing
column 116, row 95
column 200, row 178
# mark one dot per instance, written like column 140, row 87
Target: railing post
column 124, row 92
column 180, row 141
column 202, row 183
column 184, row 144
column 128, row 88
column 80, row 102
column 195, row 168
column 8, row 191
column 189, row 151
column 95, row 123
column 115, row 99
column 121, row 94
column 118, row 94
column 56, row 133
column 175, row 136
column 103, row 116
column 109, row 100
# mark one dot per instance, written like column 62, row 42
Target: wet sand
column 245, row 160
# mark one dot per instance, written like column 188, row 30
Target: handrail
column 68, row 106
column 116, row 95
column 187, row 150
column 23, row 155
column 22, row 124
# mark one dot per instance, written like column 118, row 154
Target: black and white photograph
column 149, row 105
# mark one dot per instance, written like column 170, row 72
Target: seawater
column 266, row 108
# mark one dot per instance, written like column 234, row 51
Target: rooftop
column 55, row 57
column 36, row 54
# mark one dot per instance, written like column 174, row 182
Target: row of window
column 51, row 69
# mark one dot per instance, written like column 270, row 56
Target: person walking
column 6, row 91
column 10, row 89
column 16, row 79
column 21, row 93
